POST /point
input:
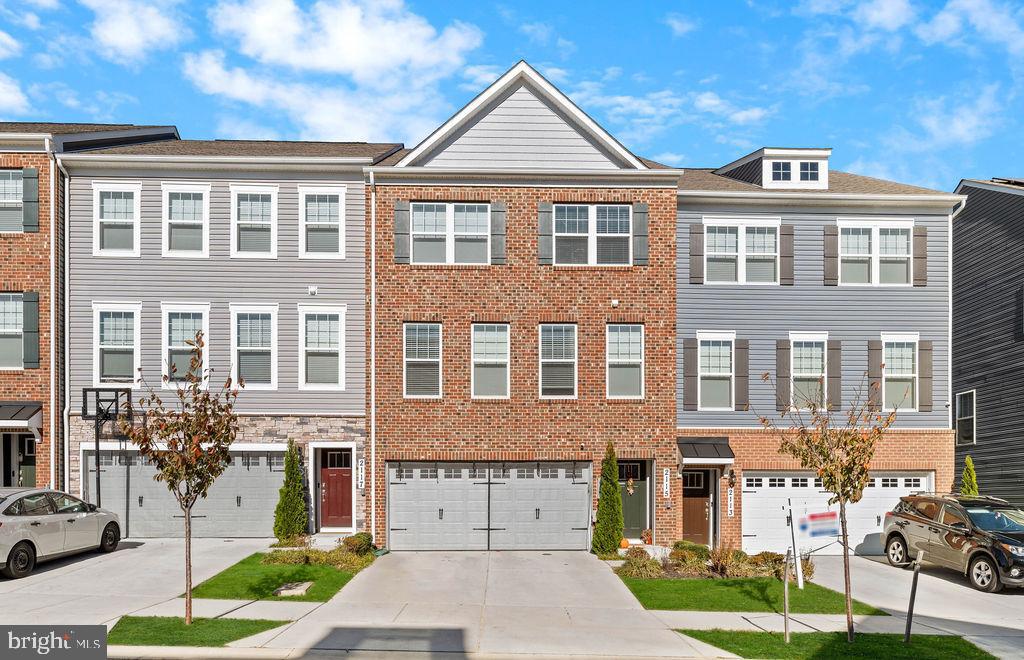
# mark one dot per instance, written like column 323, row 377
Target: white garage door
column 489, row 506
column 765, row 496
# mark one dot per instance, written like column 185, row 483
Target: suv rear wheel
column 896, row 552
column 984, row 575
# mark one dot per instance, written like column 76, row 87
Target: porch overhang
column 22, row 416
column 705, row 451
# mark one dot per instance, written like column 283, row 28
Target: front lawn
column 172, row 631
column 250, row 579
column 812, row 646
column 739, row 595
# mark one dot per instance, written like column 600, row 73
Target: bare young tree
column 187, row 441
column 838, row 447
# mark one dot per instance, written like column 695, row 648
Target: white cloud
column 479, row 76
column 565, row 47
column 44, row 4
column 234, row 128
column 680, row 25
column 127, row 31
column 100, row 106
column 555, row 74
column 637, row 118
column 537, row 32
column 963, row 121
column 992, row 21
column 669, row 158
column 888, row 15
column 612, row 73
column 714, row 104
column 9, row 46
column 12, row 99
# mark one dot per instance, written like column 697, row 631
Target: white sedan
column 37, row 524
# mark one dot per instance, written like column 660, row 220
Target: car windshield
column 993, row 519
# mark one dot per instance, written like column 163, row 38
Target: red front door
column 336, row 488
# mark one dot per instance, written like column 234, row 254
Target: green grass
column 172, row 631
column 251, row 580
column 739, row 595
column 820, row 645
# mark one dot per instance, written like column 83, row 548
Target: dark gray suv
column 982, row 537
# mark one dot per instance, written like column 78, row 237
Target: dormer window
column 809, row 171
column 781, row 171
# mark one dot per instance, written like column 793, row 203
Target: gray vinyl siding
column 220, row 281
column 988, row 338
column 521, row 130
column 853, row 315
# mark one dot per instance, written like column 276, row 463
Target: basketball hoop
column 106, row 407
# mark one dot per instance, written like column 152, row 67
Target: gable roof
column 519, row 74
column 57, row 128
column 256, row 149
column 708, row 180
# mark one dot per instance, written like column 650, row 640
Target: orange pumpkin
column 623, row 544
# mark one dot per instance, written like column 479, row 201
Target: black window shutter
column 742, row 348
column 402, row 231
column 925, row 349
column 640, row 241
column 689, row 374
column 834, row 374
column 696, row 253
column 30, row 200
column 831, row 255
column 545, row 231
column 920, row 256
column 498, row 215
column 875, row 375
column 30, row 329
column 786, row 255
column 782, row 375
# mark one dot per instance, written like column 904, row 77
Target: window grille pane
column 722, row 240
column 558, row 342
column 557, row 379
column 10, row 185
column 781, row 171
column 612, row 251
column 490, row 380
column 323, row 331
column 471, row 250
column 254, row 366
column 490, row 343
column 185, row 238
column 183, row 326
column 254, row 208
column 422, row 341
column 809, row 357
column 428, row 250
column 761, row 240
column 625, row 380
column 571, row 251
column 894, row 241
column 428, row 218
column 471, row 219
column 185, row 206
column 253, row 330
column 118, row 236
column 322, row 368
column 900, row 358
column 117, row 328
column 715, row 392
column 572, row 219
column 855, row 241
column 323, row 239
column 422, row 378
column 11, row 312
column 612, row 219
column 809, row 171
column 715, row 356
column 965, row 404
column 625, row 343
column 117, row 205
column 899, row 393
column 323, row 209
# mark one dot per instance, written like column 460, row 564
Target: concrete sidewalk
column 798, row 623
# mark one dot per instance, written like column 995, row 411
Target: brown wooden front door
column 697, row 506
column 336, row 488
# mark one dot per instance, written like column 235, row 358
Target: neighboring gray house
column 988, row 335
column 260, row 245
column 798, row 283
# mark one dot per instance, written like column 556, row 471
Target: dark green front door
column 634, row 490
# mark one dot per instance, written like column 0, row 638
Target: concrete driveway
column 98, row 588
column 945, row 601
column 487, row 603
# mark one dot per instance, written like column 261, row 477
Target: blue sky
column 921, row 92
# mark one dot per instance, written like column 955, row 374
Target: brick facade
column 25, row 266
column 524, row 294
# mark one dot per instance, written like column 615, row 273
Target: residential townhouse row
column 453, row 332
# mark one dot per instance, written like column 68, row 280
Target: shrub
column 636, row 552
column 339, row 558
column 768, row 558
column 807, row 564
column 740, row 557
column 608, row 528
column 722, row 561
column 969, row 478
column 359, row 544
column 290, row 517
column 697, row 549
column 642, row 569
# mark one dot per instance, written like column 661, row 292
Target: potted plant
column 647, row 537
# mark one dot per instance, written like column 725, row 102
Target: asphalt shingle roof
column 56, row 128
column 838, row 182
column 258, row 148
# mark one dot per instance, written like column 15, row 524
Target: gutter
column 95, row 158
column 54, row 404
column 454, row 172
column 373, row 356
column 945, row 199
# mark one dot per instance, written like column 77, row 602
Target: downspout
column 949, row 372
column 54, row 404
column 67, row 328
column 373, row 357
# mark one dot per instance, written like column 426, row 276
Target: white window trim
column 165, row 309
column 172, row 187
column 642, row 362
column 19, row 333
column 111, row 186
column 903, row 337
column 575, row 363
column 807, row 337
column 338, row 190
column 97, row 307
column 473, row 362
column 449, row 235
column 340, row 310
column 591, row 236
column 874, row 224
column 718, row 335
column 741, row 245
column 236, row 189
column 440, row 362
column 957, row 417
column 237, row 309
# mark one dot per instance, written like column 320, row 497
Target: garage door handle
column 440, row 514
column 36, row 523
column 536, row 514
column 71, row 520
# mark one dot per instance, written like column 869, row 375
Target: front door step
column 293, row 589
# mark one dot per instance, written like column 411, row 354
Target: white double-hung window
column 11, row 200
column 254, row 345
column 625, row 361
column 181, row 323
column 742, row 251
column 558, row 361
column 490, row 376
column 322, row 222
column 592, row 234
column 716, row 370
column 808, row 355
column 875, row 252
column 450, row 233
column 12, row 322
column 186, row 220
column 899, row 371
column 116, row 340
column 254, row 221
column 321, row 347
column 422, row 348
column 116, row 211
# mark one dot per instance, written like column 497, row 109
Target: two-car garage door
column 489, row 506
column 765, row 496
